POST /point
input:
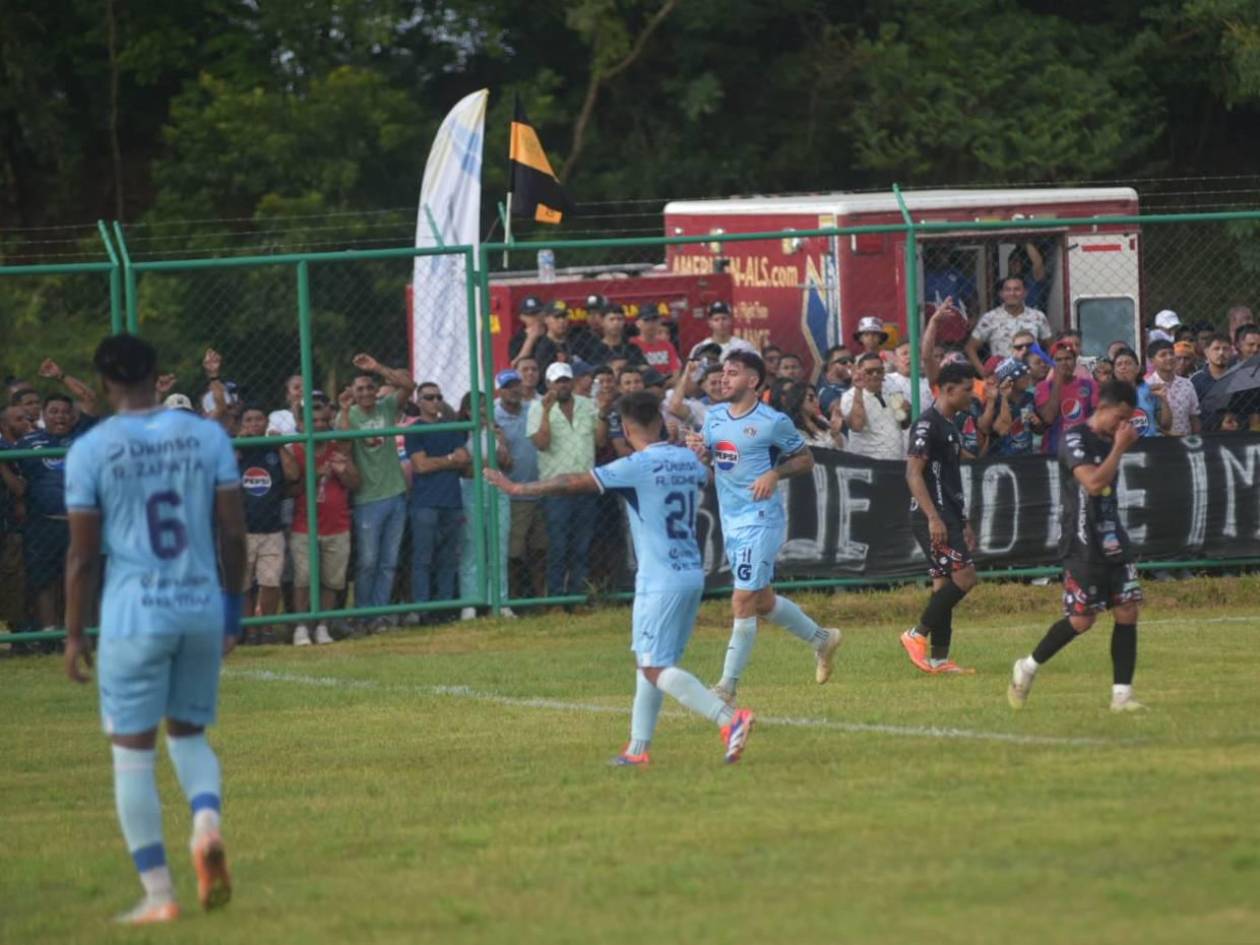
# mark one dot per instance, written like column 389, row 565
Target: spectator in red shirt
column 1064, row 400
column 658, row 351
column 337, row 477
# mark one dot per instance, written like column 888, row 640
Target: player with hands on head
column 1099, row 572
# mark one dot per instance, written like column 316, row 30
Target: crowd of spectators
column 395, row 514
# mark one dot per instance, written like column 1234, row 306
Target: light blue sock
column 140, row 814
column 796, row 622
column 197, row 768
column 743, row 636
column 691, row 693
column 647, row 707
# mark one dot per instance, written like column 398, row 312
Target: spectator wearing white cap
column 722, row 332
column 871, row 334
column 562, row 429
column 998, row 327
column 1164, row 326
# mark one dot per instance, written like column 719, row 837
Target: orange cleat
column 627, row 760
column 916, row 648
column 735, row 735
column 950, row 668
column 150, row 912
column 214, row 885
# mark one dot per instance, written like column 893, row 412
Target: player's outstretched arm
column 83, row 576
column 569, row 484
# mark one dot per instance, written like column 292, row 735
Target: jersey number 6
column 167, row 535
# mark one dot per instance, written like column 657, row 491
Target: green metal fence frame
column 124, row 314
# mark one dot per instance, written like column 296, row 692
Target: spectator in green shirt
column 562, row 427
column 380, row 503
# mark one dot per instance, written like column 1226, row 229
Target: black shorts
column 1092, row 587
column 943, row 558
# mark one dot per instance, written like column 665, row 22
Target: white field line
column 557, row 705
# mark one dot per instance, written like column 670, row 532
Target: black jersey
column 937, row 440
column 1092, row 531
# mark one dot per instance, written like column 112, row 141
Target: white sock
column 647, row 706
column 1120, row 691
column 690, row 692
column 743, row 636
column 796, row 622
column 140, row 815
column 1029, row 664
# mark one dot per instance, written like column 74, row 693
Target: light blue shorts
column 663, row 621
column 148, row 677
column 751, row 550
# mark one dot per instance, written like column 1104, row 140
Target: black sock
column 1123, row 653
column 1057, row 637
column 941, row 638
column 936, row 615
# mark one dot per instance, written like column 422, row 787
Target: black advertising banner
column 1180, row 497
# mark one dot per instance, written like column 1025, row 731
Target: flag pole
column 507, row 228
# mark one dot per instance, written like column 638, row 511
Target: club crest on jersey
column 750, row 431
column 725, row 455
column 256, row 481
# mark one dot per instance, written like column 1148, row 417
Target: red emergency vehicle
column 807, row 293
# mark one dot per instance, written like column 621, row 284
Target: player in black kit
column 1098, row 569
column 939, row 519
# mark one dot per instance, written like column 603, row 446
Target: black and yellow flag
column 536, row 192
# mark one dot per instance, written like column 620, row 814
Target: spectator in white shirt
column 875, row 417
column 999, row 327
column 284, row 422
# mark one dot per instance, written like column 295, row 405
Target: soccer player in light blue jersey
column 158, row 493
column 751, row 449
column 662, row 485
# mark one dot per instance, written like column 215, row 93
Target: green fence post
column 115, row 281
column 129, row 277
column 308, row 428
column 480, row 300
column 475, row 405
column 912, row 301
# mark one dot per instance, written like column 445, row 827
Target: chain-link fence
column 370, row 488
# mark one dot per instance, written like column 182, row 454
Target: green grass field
column 451, row 786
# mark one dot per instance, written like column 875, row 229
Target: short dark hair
column 1117, row 393
column 750, row 360
column 794, row 357
column 630, row 369
column 642, row 408
column 869, row 356
column 254, row 407
column 602, row 369
column 833, row 351
column 1019, row 279
column 125, row 359
column 1248, row 329
column 1126, row 352
column 768, row 348
column 955, row 373
column 59, row 398
column 1158, row 345
column 1219, row 336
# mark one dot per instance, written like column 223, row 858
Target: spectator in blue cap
column 1010, row 420
column 527, row 539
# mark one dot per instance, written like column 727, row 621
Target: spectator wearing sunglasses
column 837, row 377
column 875, row 416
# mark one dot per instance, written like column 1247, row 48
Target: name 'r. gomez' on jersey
column 742, row 449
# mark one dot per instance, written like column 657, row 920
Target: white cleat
column 301, row 636
column 1126, row 704
column 507, row 613
column 1021, row 685
column 152, row 910
column 468, row 613
column 322, row 635
column 826, row 655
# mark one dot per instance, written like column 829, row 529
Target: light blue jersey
column 153, row 478
column 662, row 485
column 744, row 448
